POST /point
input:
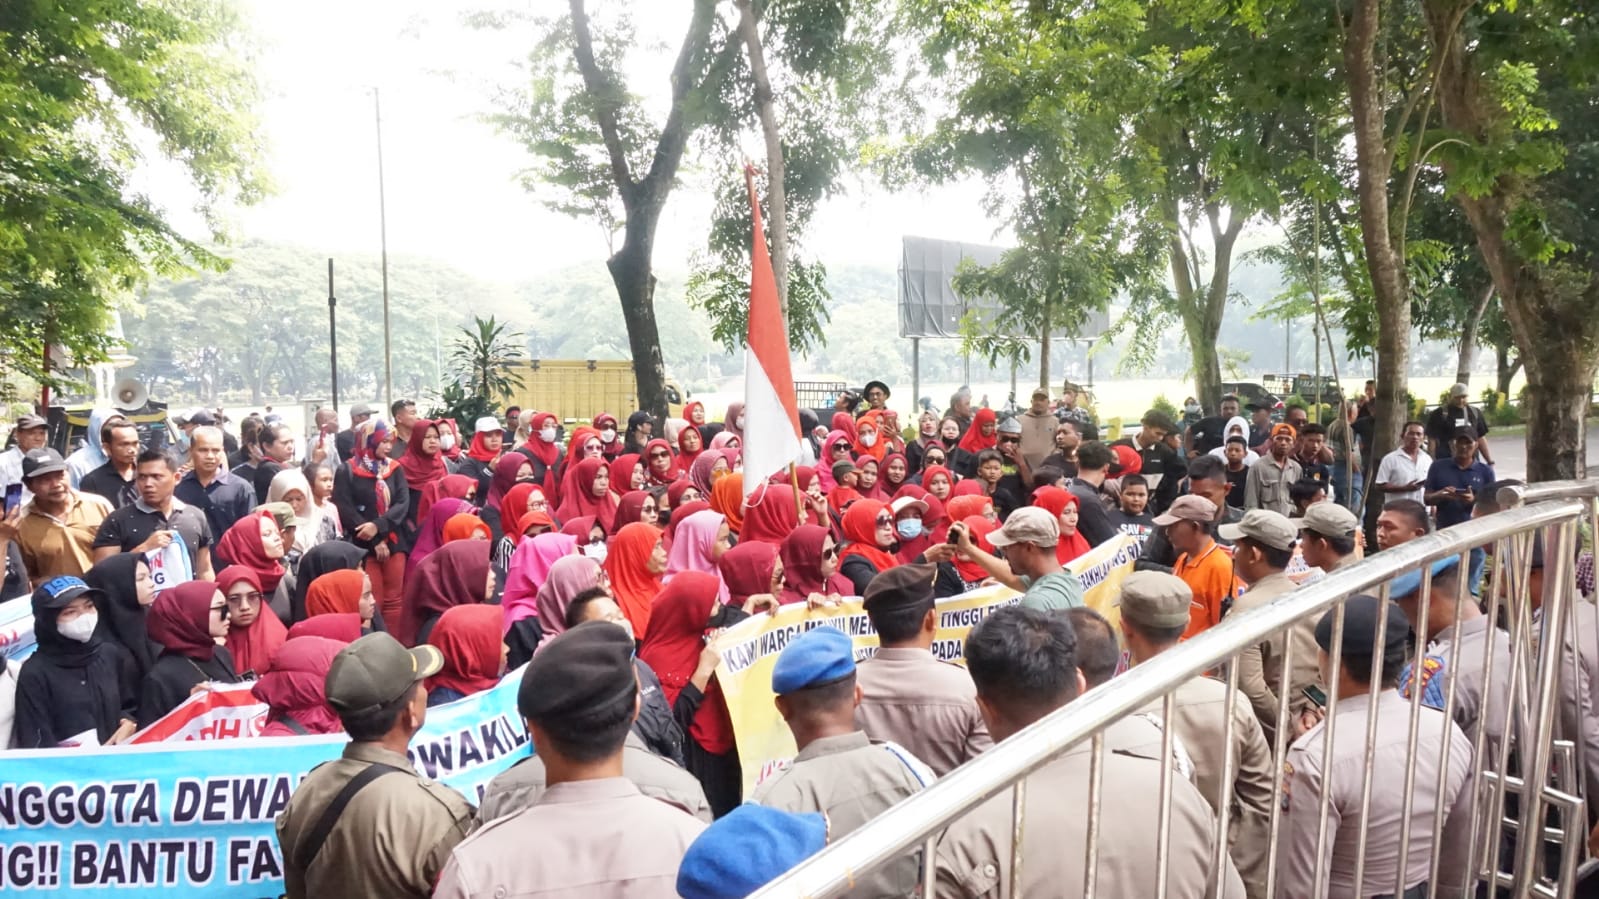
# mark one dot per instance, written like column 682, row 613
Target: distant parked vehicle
column 1250, row 393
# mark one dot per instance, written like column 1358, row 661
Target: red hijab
column 674, row 493
column 252, row 647
column 674, row 469
column 463, row 526
column 454, row 575
column 454, row 486
column 549, row 452
column 241, row 546
column 963, row 507
column 574, row 454
column 678, row 621
column 469, row 639
column 336, row 593
column 448, row 424
column 629, row 509
column 843, row 421
column 910, row 549
column 294, row 687
column 979, row 528
column 876, row 491
column 685, row 456
column 513, row 505
column 480, row 450
column 1056, row 500
column 579, row 527
column 615, row 446
column 802, row 566
column 967, row 487
column 503, row 478
column 771, row 515
column 973, row 440
column 933, row 471
column 627, row 562
column 342, row 626
column 578, row 499
column 420, row 468
column 621, row 469
column 180, row 620
column 860, row 529
column 747, row 570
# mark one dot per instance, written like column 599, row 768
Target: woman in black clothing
column 374, row 502
column 72, row 685
column 186, row 620
column 124, row 581
column 335, row 555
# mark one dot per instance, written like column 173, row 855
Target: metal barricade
column 1526, row 780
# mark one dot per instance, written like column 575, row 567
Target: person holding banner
column 810, row 567
column 367, row 826
column 70, row 692
column 187, row 620
column 295, row 688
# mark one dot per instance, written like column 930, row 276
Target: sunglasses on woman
column 660, row 454
column 884, row 521
column 830, row 553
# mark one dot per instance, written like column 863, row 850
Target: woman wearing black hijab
column 187, row 620
column 73, row 684
column 334, row 555
column 124, row 580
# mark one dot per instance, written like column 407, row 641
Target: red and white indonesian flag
column 771, row 412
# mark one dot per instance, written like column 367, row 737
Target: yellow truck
column 578, row 389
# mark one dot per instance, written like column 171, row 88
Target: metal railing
column 1499, row 774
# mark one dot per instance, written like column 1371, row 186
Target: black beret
column 900, row 586
column 583, row 669
column 1361, row 615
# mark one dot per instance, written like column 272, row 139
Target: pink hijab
column 569, row 576
column 530, row 567
column 430, row 535
column 691, row 548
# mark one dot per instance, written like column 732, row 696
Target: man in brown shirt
column 908, row 695
column 57, row 528
column 395, row 833
column 1263, row 547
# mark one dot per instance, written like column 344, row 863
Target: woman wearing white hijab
column 290, row 486
column 1237, row 425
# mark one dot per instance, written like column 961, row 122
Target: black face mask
column 727, row 616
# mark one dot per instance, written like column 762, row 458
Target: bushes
column 1496, row 407
column 1162, row 404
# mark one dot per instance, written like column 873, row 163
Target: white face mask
column 80, row 628
column 868, row 440
column 547, row 435
column 446, row 442
column 608, row 435
column 740, row 423
column 596, row 551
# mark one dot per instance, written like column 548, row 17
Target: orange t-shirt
column 1210, row 576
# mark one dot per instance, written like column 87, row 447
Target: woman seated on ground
column 187, row 620
column 254, row 634
column 458, row 574
column 72, row 687
column 474, row 655
column 344, row 592
column 293, row 688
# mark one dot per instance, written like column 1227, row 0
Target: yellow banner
column 750, row 649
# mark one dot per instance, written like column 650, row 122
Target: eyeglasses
column 885, row 521
column 840, row 448
column 596, row 541
column 252, row 598
column 538, row 505
column 219, row 611
column 830, row 553
column 660, row 454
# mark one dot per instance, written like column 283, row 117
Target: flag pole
column 799, row 497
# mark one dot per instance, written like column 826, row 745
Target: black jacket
column 655, row 724
column 356, row 498
column 67, row 688
column 173, row 677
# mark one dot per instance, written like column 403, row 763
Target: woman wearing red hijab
column 252, row 636
column 187, row 620
column 543, row 450
column 938, row 481
column 610, row 445
column 588, row 493
column 453, row 486
column 1062, row 504
column 635, row 562
column 584, row 444
column 488, row 443
column 770, row 515
column 294, row 688
column 635, row 506
column 972, row 574
column 457, row 575
column 810, row 566
column 254, row 542
column 474, row 656
column 868, row 527
column 982, row 435
column 689, row 446
column 627, row 473
column 424, row 465
column 660, row 466
column 751, row 569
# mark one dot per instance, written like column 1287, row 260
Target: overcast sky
column 451, row 180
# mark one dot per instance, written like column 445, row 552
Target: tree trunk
column 1202, row 310
column 635, row 287
column 1387, row 277
column 1505, row 369
column 776, row 198
column 1468, row 336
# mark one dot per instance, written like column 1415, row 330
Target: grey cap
column 1028, row 524
column 360, row 409
column 1156, row 599
column 1458, row 390
column 1010, row 426
column 375, row 671
column 1329, row 520
column 42, row 461
column 1262, row 526
column 30, row 421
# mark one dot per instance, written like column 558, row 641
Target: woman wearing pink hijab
column 701, row 540
column 530, row 567
column 569, row 576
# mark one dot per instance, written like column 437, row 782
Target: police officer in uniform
column 591, row 833
column 367, row 825
column 1307, row 772
column 1263, row 546
column 908, row 696
column 838, row 771
column 1023, row 663
column 1154, row 614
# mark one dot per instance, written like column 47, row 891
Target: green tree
column 82, row 87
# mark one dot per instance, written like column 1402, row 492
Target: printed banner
column 16, row 629
column 175, row 819
column 224, row 712
column 750, row 649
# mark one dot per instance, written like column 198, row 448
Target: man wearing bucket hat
column 367, row 824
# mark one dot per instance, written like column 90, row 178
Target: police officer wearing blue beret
column 838, row 771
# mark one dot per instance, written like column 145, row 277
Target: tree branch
column 603, row 91
column 674, row 134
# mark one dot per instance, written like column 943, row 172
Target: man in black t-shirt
column 1133, row 517
column 156, row 519
column 1209, row 433
column 1163, row 466
column 1455, row 414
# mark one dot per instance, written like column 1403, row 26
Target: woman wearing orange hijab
column 635, row 562
column 727, row 497
column 465, row 526
column 342, row 592
column 1062, row 504
column 871, row 436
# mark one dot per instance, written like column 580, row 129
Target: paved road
column 1510, row 453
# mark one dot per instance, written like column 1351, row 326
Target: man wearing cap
column 1028, row 540
column 1024, row 664
column 1455, row 414
column 1263, row 546
column 31, row 433
column 478, row 461
column 1201, row 563
column 1038, row 429
column 591, row 833
column 1207, row 478
column 839, row 771
column 1365, row 688
column 345, row 440
column 1163, row 466
column 909, row 695
column 1453, row 483
column 57, row 527
column 223, row 495
column 1266, row 487
column 1329, row 536
column 1154, row 615
column 366, row 824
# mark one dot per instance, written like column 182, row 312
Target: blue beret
column 746, row 849
column 1410, row 581
column 818, row 656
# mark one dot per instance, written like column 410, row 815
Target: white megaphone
column 129, row 395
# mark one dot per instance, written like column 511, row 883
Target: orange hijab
column 727, row 497
column 463, row 526
column 627, row 562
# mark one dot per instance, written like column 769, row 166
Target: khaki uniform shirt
column 1478, row 704
column 974, row 854
column 1260, row 672
column 1267, row 485
column 598, row 839
column 929, row 707
column 1038, row 436
column 1579, row 675
column 851, row 780
column 54, row 546
column 392, row 839
column 1199, row 719
column 1306, row 772
column 522, row 784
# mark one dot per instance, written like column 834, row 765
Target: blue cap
column 1410, row 581
column 818, row 656
column 746, row 849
